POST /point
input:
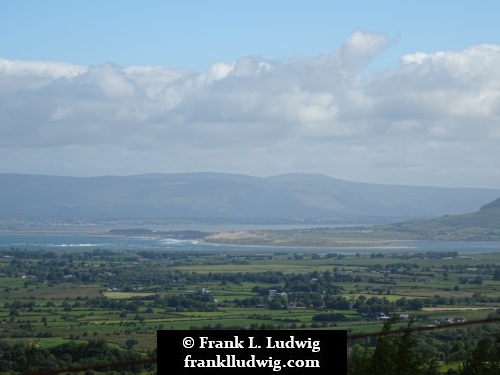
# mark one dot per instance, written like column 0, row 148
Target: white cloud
column 46, row 69
column 359, row 49
column 409, row 124
column 16, row 75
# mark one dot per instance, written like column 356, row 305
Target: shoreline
column 8, row 239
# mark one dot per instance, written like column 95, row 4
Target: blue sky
column 194, row 34
column 378, row 91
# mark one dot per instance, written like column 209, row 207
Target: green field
column 77, row 297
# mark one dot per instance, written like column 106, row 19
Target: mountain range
column 228, row 196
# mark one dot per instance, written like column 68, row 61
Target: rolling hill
column 228, row 196
column 482, row 225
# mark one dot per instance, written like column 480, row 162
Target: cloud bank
column 433, row 119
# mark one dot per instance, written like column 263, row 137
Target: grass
column 83, row 323
column 285, row 267
column 126, row 295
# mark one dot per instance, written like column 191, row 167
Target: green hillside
column 483, row 225
column 494, row 204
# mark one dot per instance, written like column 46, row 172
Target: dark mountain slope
column 494, row 204
column 481, row 225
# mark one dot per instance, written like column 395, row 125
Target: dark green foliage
column 496, row 274
column 329, row 317
column 393, row 355
column 191, row 302
column 23, row 358
column 407, row 353
column 485, row 359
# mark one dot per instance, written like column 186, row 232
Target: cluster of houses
column 450, row 321
column 273, row 292
column 381, row 316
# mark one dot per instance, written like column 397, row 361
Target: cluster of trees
column 362, row 304
column 178, row 303
column 29, row 358
column 391, row 356
column 407, row 354
column 190, row 302
column 369, row 305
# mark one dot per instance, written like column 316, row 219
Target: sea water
column 67, row 242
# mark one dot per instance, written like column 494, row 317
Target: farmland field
column 124, row 297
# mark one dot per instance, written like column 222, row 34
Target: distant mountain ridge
column 219, row 195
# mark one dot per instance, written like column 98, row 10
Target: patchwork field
column 57, row 298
